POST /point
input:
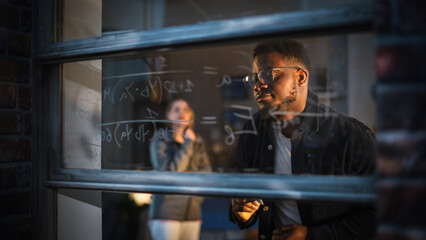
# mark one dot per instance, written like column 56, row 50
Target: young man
column 298, row 135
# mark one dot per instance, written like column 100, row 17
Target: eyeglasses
column 266, row 76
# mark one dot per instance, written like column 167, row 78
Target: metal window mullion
column 316, row 188
column 54, row 116
column 320, row 20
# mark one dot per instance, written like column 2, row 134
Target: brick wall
column 400, row 26
column 15, row 120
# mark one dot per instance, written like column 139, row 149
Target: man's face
column 282, row 93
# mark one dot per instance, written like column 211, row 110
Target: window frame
column 50, row 55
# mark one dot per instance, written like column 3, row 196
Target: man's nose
column 259, row 85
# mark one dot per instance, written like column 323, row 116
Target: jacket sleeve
column 167, row 157
column 244, row 143
column 365, row 155
column 360, row 222
column 242, row 162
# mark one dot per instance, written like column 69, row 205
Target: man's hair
column 292, row 51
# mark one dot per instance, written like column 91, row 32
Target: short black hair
column 291, row 50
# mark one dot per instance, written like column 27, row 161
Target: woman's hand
column 189, row 134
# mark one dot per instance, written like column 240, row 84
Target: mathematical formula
column 155, row 87
column 145, row 130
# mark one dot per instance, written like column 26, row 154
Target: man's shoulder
column 337, row 121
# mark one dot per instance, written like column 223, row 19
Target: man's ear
column 302, row 77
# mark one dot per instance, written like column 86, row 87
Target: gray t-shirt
column 287, row 212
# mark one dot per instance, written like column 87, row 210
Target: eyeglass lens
column 265, row 76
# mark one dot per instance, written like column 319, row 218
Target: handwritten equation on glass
column 124, row 131
column 153, row 87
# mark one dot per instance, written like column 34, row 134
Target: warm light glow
column 141, row 198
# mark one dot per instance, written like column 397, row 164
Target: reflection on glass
column 81, row 116
column 81, row 19
column 128, row 99
column 124, row 217
column 79, row 214
column 93, row 18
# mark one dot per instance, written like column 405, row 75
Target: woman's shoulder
column 198, row 138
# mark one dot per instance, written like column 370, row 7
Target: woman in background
column 180, row 150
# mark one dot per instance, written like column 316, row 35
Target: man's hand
column 290, row 232
column 244, row 209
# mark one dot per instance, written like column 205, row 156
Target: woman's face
column 180, row 111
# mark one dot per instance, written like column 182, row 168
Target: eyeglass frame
column 246, row 79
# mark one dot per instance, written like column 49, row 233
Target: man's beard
column 265, row 113
column 274, row 111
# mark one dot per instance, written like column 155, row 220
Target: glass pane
column 142, row 216
column 81, row 19
column 79, row 214
column 81, row 116
column 121, row 105
column 138, row 215
column 93, row 18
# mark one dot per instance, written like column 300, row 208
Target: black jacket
column 325, row 142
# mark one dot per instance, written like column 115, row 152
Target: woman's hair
column 169, row 108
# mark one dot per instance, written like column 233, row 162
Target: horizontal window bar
column 412, row 231
column 315, row 188
column 248, row 27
